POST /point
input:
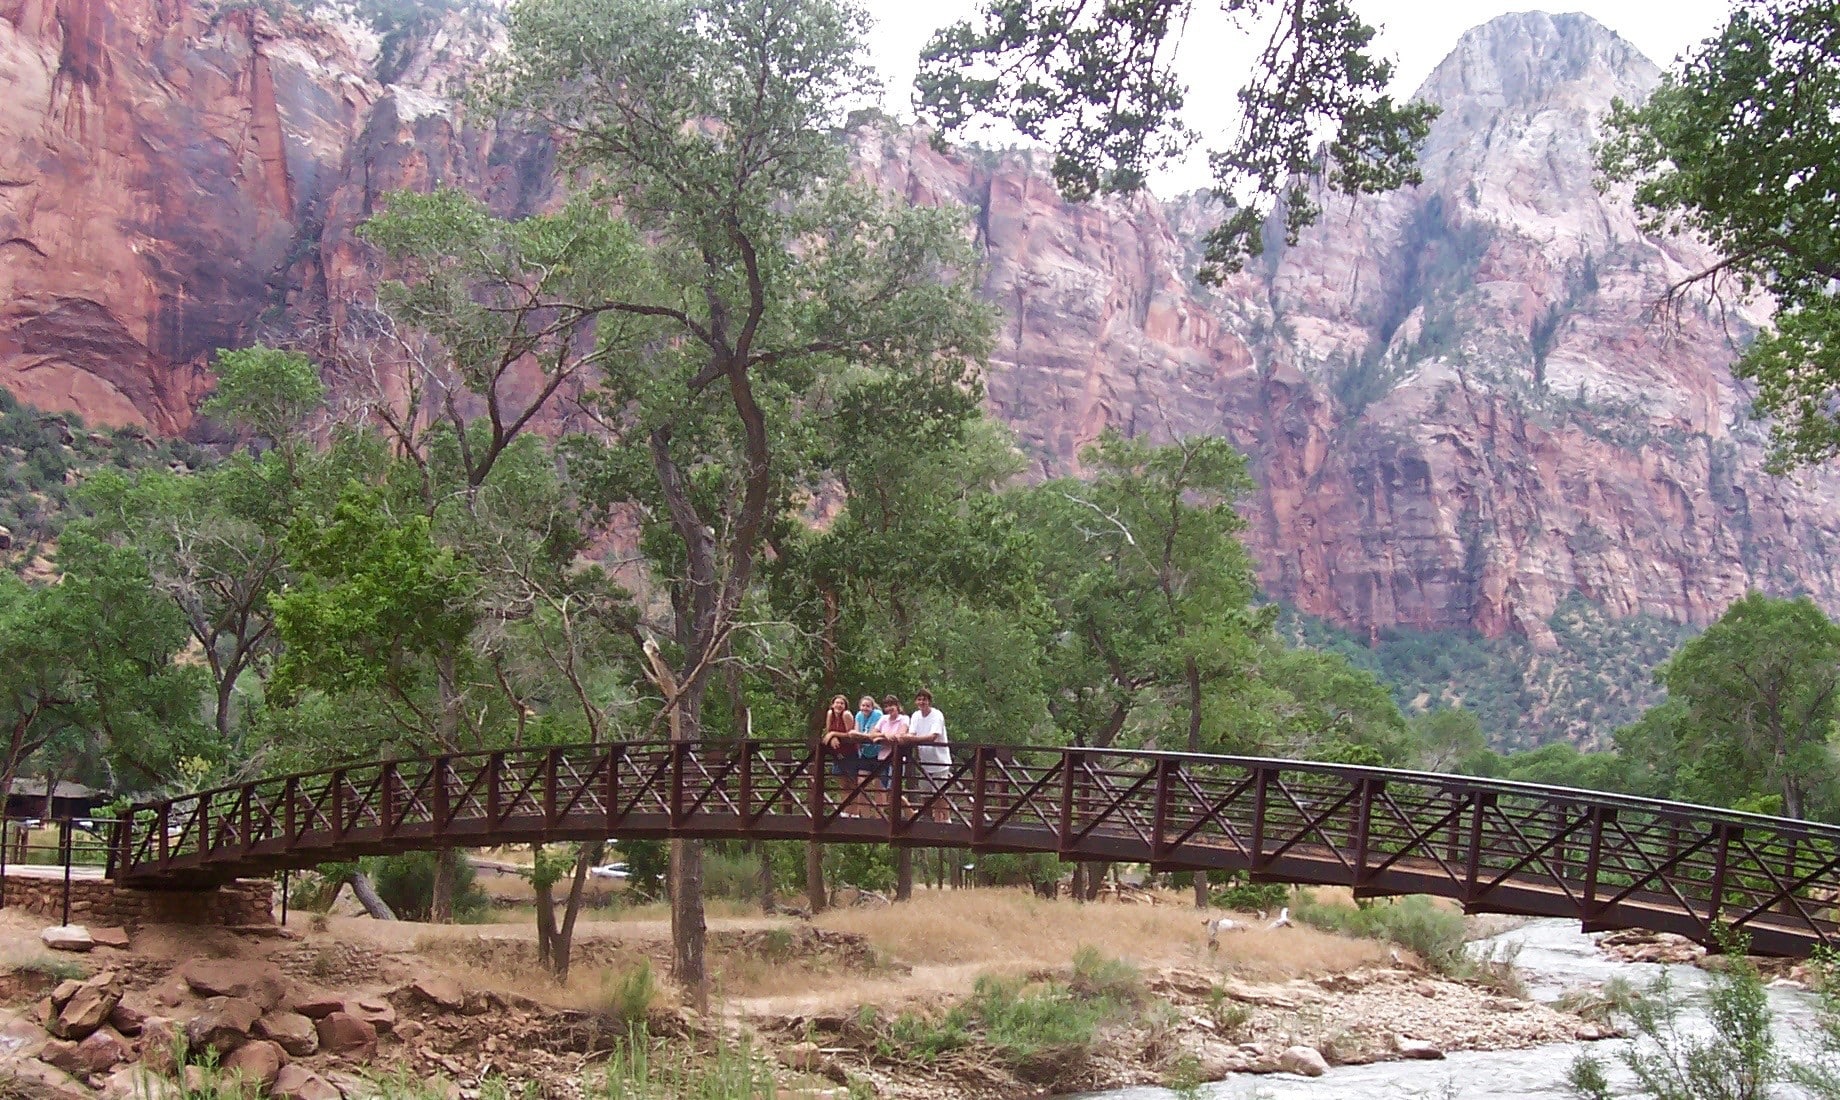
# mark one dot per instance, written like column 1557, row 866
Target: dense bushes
column 1417, row 924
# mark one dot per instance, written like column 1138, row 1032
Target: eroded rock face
column 1458, row 407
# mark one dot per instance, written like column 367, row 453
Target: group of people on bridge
column 864, row 745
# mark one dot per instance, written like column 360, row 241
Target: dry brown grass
column 1013, row 929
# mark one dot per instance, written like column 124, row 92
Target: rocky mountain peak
column 1534, row 59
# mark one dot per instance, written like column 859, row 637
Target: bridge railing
column 1607, row 859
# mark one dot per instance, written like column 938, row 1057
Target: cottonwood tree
column 922, row 578
column 1738, row 146
column 767, row 275
column 1095, row 79
column 211, row 540
column 1761, row 691
column 1152, row 588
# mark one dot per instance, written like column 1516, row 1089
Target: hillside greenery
column 1597, row 675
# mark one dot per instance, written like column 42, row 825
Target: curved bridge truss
column 1605, row 860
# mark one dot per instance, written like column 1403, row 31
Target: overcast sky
column 1213, row 59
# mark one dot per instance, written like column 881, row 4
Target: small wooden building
column 26, row 799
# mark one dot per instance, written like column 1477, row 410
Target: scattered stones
column 137, row 1082
column 295, row 1082
column 67, row 937
column 258, row 1062
column 439, row 991
column 1419, row 1049
column 292, row 1031
column 259, row 982
column 223, row 1024
column 343, row 1033
column 1303, row 1061
column 410, row 1030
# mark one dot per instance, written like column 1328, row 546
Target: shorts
column 882, row 769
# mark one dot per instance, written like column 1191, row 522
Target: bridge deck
column 1605, row 860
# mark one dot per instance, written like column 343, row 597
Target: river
column 1554, row 957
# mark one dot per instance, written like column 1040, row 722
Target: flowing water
column 1554, row 957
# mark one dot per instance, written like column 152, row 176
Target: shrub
column 1022, row 1022
column 406, row 884
column 630, row 997
column 1433, row 934
column 730, row 875
column 1250, row 897
column 1097, row 976
column 642, row 1068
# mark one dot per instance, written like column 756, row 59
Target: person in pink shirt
column 891, row 733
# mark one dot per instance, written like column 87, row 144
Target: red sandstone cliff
column 1457, row 405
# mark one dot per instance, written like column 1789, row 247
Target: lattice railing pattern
column 1606, row 860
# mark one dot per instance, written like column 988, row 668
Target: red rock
column 87, row 1010
column 257, row 1062
column 373, row 1011
column 343, row 1033
column 439, row 991
column 294, row 1032
column 109, row 937
column 223, row 1024
column 99, row 1052
column 318, row 1006
column 259, row 982
column 296, row 1082
column 127, row 1019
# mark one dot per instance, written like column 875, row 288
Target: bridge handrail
column 1664, row 808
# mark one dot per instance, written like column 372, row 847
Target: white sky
column 1418, row 33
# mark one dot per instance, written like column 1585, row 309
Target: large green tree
column 765, row 273
column 1761, row 689
column 1095, row 79
column 1738, row 145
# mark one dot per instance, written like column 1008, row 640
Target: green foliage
column 265, row 391
column 1598, row 675
column 1246, row 896
column 406, row 884
column 1433, row 933
column 46, row 457
column 1736, row 1060
column 647, row 862
column 1023, row 1022
column 630, row 997
column 1097, row 976
column 1733, row 147
column 375, row 591
column 1759, row 693
column 1096, row 82
column 647, row 1068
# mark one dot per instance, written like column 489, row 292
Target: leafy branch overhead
column 1739, row 147
column 1095, row 79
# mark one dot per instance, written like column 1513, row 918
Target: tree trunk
column 1076, row 886
column 1095, row 878
column 446, row 870
column 546, row 921
column 1192, row 673
column 689, row 930
column 563, row 942
column 903, row 874
column 768, row 902
column 815, row 895
column 366, row 894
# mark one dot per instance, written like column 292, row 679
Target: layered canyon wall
column 1459, row 405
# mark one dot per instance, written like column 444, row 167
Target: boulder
column 374, row 1012
column 804, row 1057
column 343, row 1033
column 439, row 991
column 20, row 1037
column 292, row 1031
column 318, row 1006
column 99, row 1052
column 127, row 1019
column 64, row 992
column 137, row 1082
column 67, row 937
column 1418, row 1049
column 255, row 980
column 160, row 1044
column 296, row 1082
column 1302, row 1061
column 33, row 1080
column 222, row 1025
column 88, row 1009
column 257, row 1062
column 109, row 937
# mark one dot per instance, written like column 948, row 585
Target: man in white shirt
column 926, row 728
